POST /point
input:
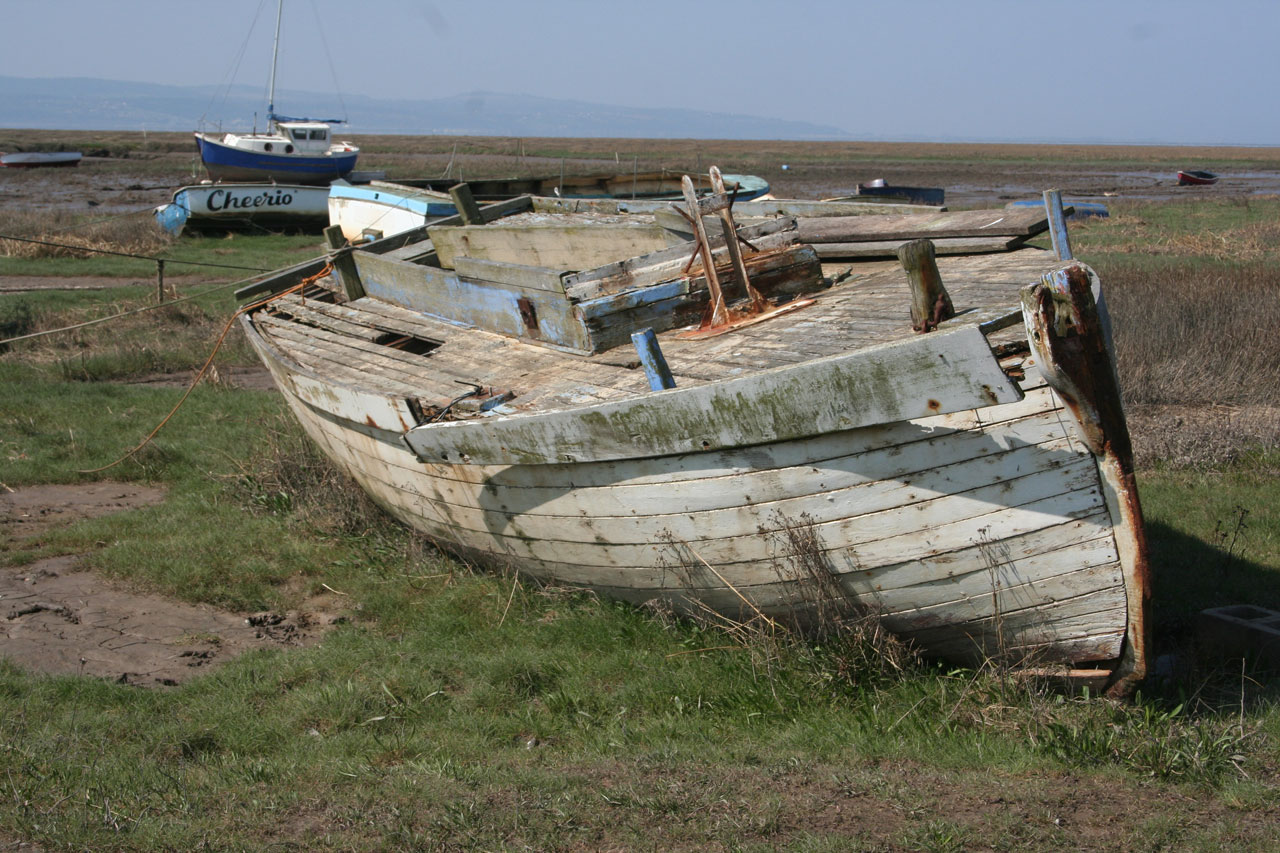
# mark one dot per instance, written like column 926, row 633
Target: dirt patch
column 29, row 511
column 57, row 618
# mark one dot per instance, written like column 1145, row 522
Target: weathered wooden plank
column 585, row 517
column 466, row 205
column 516, row 311
column 1098, row 614
column 346, row 402
column 515, row 274
column 928, row 536
column 563, row 246
column 1005, row 426
column 650, row 268
column 943, row 246
column 281, row 279
column 338, row 361
column 745, row 209
column 305, row 312
column 941, row 372
column 490, row 212
column 672, row 304
column 419, row 252
column 1020, row 222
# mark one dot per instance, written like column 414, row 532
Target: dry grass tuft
column 290, row 475
column 63, row 235
column 1199, row 359
column 819, row 617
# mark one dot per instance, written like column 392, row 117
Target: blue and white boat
column 380, row 209
column 260, row 206
column 293, row 150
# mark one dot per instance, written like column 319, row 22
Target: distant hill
column 77, row 103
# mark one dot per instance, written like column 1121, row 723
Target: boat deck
column 379, row 346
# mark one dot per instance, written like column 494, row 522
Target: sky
column 1125, row 71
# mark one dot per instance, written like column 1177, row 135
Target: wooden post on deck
column 758, row 302
column 159, row 280
column 652, row 360
column 344, row 266
column 719, row 311
column 930, row 302
column 1057, row 225
column 466, row 204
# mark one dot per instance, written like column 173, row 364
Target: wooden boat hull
column 214, row 208
column 985, row 529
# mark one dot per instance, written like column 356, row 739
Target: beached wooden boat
column 1196, row 178
column 775, row 451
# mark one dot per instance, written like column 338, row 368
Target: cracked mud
column 58, row 618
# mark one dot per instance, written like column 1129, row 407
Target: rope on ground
column 297, row 288
column 130, row 255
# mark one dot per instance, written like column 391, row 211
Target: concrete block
column 1242, row 630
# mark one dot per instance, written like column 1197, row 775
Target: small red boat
column 1196, row 179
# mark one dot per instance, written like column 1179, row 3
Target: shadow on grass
column 1190, row 575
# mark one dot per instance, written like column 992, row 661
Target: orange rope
column 328, row 268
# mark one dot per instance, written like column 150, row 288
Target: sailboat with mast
column 293, row 150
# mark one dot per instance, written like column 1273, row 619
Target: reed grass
column 61, row 234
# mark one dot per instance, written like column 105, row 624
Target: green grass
column 459, row 710
column 232, row 257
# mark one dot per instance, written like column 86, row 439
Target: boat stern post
column 1073, row 352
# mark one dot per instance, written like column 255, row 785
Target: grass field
column 458, row 710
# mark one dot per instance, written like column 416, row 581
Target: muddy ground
column 57, row 618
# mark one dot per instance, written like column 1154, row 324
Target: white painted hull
column 374, row 210
column 231, row 207
column 966, row 532
column 976, row 503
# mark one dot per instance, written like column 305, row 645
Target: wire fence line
column 151, row 258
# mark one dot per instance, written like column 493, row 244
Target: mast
column 275, row 53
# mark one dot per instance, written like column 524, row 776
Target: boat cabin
column 301, row 138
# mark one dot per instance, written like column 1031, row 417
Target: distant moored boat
column 293, row 150
column 1196, row 178
column 37, row 159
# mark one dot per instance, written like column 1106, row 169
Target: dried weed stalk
column 816, row 614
